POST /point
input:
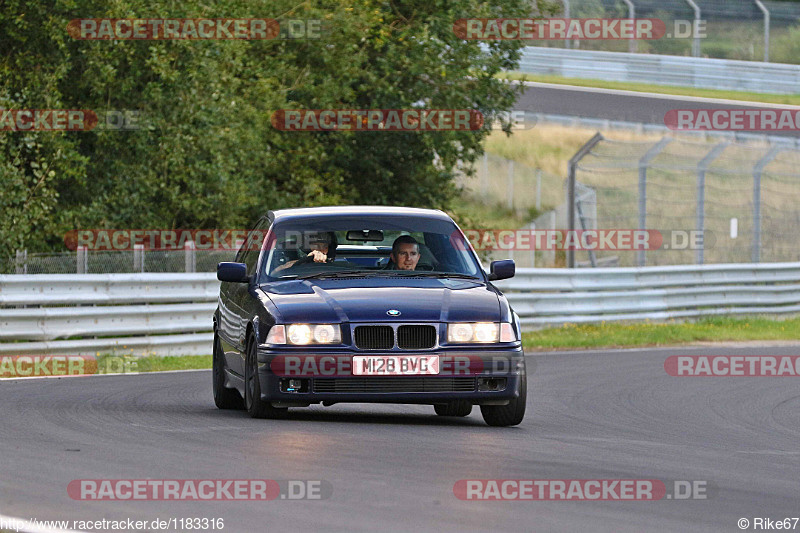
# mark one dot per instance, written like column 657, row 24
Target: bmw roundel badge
column 393, row 312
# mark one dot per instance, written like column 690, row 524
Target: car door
column 242, row 296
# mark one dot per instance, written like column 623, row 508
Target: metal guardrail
column 162, row 314
column 170, row 314
column 697, row 72
column 655, row 293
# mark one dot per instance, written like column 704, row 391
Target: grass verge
column 787, row 99
column 114, row 364
column 614, row 335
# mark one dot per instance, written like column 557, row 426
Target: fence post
column 138, row 257
column 510, row 185
column 696, row 41
column 567, row 44
column 633, row 45
column 757, row 171
column 573, row 167
column 21, row 262
column 582, row 218
column 702, row 168
column 764, row 10
column 190, row 256
column 485, row 175
column 644, row 162
column 538, row 189
column 82, row 260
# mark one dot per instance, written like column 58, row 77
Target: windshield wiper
column 430, row 274
column 337, row 274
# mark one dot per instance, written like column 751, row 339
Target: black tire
column 456, row 408
column 255, row 406
column 224, row 398
column 507, row 415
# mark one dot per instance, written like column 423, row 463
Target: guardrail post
column 82, row 256
column 764, row 10
column 644, row 162
column 757, row 171
column 573, row 167
column 695, row 27
column 702, row 168
column 21, row 262
column 138, row 257
column 191, row 256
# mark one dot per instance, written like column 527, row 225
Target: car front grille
column 395, row 384
column 416, row 337
column 408, row 337
column 374, row 337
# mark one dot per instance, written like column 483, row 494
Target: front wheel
column 224, row 398
column 507, row 415
column 256, row 407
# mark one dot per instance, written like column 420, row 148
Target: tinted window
column 321, row 245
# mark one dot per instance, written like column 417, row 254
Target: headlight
column 480, row 332
column 302, row 334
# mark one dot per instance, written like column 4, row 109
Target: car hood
column 369, row 300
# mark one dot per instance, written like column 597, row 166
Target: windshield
column 339, row 247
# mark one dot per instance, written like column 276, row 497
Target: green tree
column 206, row 154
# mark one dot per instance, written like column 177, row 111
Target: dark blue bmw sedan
column 365, row 304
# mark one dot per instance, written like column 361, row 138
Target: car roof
column 356, row 210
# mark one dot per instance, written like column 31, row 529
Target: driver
column 323, row 250
column 405, row 253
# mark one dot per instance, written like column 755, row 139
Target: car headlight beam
column 480, row 332
column 304, row 334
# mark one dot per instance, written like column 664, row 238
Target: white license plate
column 395, row 365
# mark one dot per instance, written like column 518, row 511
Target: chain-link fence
column 511, row 185
column 108, row 262
column 728, row 29
column 711, row 202
column 504, row 184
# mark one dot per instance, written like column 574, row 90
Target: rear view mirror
column 233, row 272
column 502, row 269
column 365, row 235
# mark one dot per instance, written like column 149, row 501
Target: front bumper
column 463, row 373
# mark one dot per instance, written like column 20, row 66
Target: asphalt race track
column 629, row 106
column 601, row 415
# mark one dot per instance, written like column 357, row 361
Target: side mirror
column 233, row 272
column 502, row 269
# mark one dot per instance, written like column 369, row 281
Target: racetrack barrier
column 171, row 314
